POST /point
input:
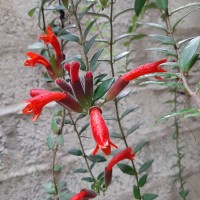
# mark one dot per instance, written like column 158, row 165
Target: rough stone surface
column 25, row 162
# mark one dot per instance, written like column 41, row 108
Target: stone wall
column 25, row 162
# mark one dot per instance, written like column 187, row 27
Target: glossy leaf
column 81, row 170
column 88, row 179
column 87, row 30
column 188, row 53
column 83, row 128
column 95, row 58
column 139, row 4
column 153, row 25
column 162, row 4
column 99, row 78
column 70, row 37
column 149, row 196
column 126, row 169
column 166, row 52
column 164, row 39
column 89, row 43
column 103, row 88
column 140, row 146
column 50, row 142
column 75, row 152
column 121, row 55
column 128, row 111
column 133, row 128
column 136, row 192
column 96, row 158
column 146, row 166
column 142, row 180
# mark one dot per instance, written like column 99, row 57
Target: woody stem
column 111, row 43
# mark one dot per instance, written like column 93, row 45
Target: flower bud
column 64, row 85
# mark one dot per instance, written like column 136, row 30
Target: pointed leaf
column 123, row 36
column 145, row 166
column 139, row 4
column 149, row 196
column 162, row 4
column 140, row 146
column 142, row 180
column 81, row 170
column 90, row 43
column 70, row 37
column 54, row 125
column 87, row 30
column 164, row 39
column 88, row 179
column 96, row 158
column 133, row 128
column 75, row 152
column 123, row 94
column 32, row 11
column 153, row 25
column 60, row 140
column 136, row 192
column 103, row 3
column 188, row 53
column 121, row 55
column 122, row 12
column 95, row 58
column 126, row 169
column 85, row 11
column 115, row 135
column 103, row 88
column 83, row 128
column 65, row 3
column 128, row 111
column 163, row 50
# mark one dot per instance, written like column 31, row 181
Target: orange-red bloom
column 39, row 100
column 125, row 154
column 145, row 69
column 50, row 38
column 100, row 131
column 84, row 194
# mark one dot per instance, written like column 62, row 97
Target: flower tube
column 84, row 194
column 100, row 131
column 124, row 154
column 36, row 103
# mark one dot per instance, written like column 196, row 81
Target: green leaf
column 198, row 86
column 166, row 52
column 162, row 4
column 70, row 37
column 139, row 4
column 122, row 12
column 142, row 180
column 128, row 111
column 123, row 94
column 145, row 166
column 50, row 142
column 140, row 146
column 32, row 11
column 60, row 140
column 136, row 192
column 98, row 15
column 85, row 11
column 65, row 3
column 153, row 25
column 168, row 84
column 126, row 169
column 103, row 88
column 57, row 168
column 121, row 55
column 90, row 43
column 133, row 128
column 104, row 3
column 99, row 78
column 149, row 196
column 88, row 179
column 87, row 30
column 195, row 4
column 54, row 125
column 115, row 135
column 96, row 158
column 183, row 193
column 49, row 188
column 164, row 39
column 75, row 152
column 83, row 128
column 81, row 116
column 188, row 54
column 81, row 170
column 94, row 59
column 123, row 36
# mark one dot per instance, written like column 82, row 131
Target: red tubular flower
column 36, row 103
column 50, row 38
column 100, row 131
column 36, row 92
column 84, row 194
column 89, row 86
column 125, row 154
column 145, row 69
column 64, row 85
column 116, row 88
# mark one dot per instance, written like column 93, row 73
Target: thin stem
column 183, row 77
column 82, row 39
column 82, row 148
column 116, row 102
